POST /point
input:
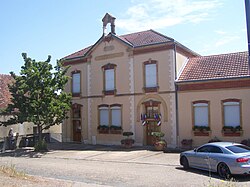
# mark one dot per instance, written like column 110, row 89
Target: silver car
column 226, row 158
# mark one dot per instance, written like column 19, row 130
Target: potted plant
column 103, row 129
column 127, row 142
column 232, row 130
column 159, row 143
column 201, row 130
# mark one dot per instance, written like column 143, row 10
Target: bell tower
column 108, row 19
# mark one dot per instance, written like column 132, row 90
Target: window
column 109, row 79
column 116, row 116
column 150, row 76
column 104, row 116
column 231, row 112
column 201, row 113
column 209, row 149
column 110, row 117
column 238, row 148
column 76, row 83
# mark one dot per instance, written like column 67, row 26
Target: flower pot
column 160, row 146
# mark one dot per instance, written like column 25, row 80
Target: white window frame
column 115, row 122
column 151, row 75
column 232, row 113
column 201, row 114
column 76, row 83
column 109, row 79
column 106, row 121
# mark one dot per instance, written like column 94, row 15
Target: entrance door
column 152, row 108
column 77, row 128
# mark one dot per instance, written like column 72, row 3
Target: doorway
column 77, row 129
column 152, row 109
column 77, row 123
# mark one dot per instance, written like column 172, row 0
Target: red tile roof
column 230, row 65
column 138, row 39
column 78, row 53
column 4, row 90
column 143, row 38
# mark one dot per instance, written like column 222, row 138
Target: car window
column 238, row 148
column 214, row 149
column 209, row 149
column 204, row 149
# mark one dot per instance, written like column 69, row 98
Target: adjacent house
column 214, row 98
column 145, row 82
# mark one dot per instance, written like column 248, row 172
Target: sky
column 61, row 27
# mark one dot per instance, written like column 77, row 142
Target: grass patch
column 229, row 183
column 12, row 172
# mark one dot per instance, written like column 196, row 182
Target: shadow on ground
column 235, row 178
column 29, row 151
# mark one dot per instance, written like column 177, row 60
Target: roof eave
column 209, row 80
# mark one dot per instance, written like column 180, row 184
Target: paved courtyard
column 88, row 165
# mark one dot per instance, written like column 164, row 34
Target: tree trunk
column 39, row 133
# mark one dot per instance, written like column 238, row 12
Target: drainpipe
column 247, row 8
column 176, row 99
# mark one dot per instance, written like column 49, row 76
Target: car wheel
column 224, row 171
column 184, row 162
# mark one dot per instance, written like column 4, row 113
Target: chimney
column 108, row 19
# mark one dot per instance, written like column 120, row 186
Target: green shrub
column 41, row 146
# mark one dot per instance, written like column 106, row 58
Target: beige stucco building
column 136, row 82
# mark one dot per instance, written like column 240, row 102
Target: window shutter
column 201, row 114
column 109, row 79
column 116, row 116
column 150, row 73
column 104, row 116
column 232, row 114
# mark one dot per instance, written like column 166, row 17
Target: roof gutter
column 210, row 80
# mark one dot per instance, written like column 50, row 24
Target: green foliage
column 201, row 128
column 37, row 94
column 127, row 134
column 158, row 134
column 41, row 145
column 232, row 128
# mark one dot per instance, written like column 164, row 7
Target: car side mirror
column 195, row 149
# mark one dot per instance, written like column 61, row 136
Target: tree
column 38, row 96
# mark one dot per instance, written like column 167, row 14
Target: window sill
column 112, row 131
column 103, row 131
column 151, row 89
column 109, row 92
column 231, row 133
column 201, row 133
column 76, row 94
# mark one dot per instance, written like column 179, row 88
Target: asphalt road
column 113, row 168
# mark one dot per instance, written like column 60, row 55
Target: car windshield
column 238, row 148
